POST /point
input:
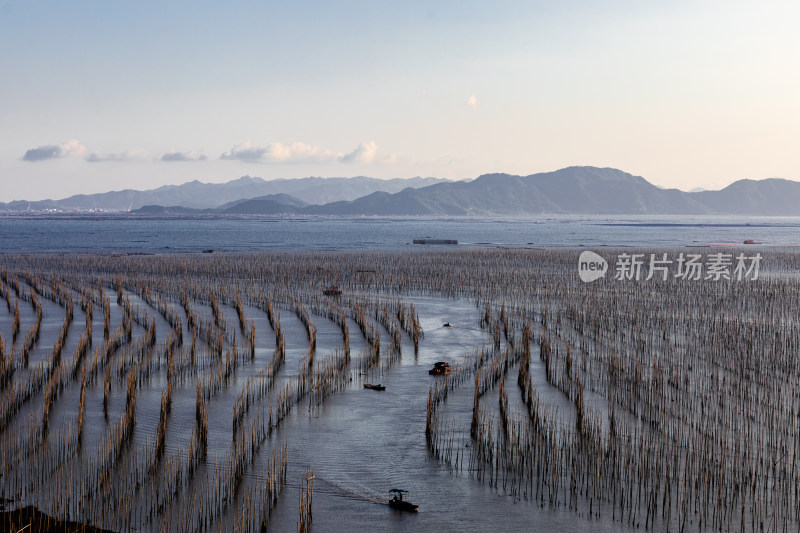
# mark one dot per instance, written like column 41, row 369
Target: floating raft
column 435, row 241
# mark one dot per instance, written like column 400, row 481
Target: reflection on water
column 360, row 442
column 363, row 443
column 643, row 377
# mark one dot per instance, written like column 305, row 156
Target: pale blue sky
column 95, row 93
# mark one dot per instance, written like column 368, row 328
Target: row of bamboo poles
column 130, row 484
column 665, row 403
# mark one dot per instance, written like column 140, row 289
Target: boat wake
column 353, row 494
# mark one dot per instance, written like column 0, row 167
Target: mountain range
column 572, row 190
column 198, row 195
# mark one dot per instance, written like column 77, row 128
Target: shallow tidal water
column 360, row 443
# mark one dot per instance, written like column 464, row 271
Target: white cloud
column 130, row 155
column 42, row 153
column 191, row 155
column 472, row 101
column 364, row 153
column 279, row 153
column 299, row 153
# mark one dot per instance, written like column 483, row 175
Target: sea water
column 128, row 234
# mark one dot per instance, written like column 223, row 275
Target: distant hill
column 572, row 190
column 271, row 204
column 750, row 197
column 198, row 195
column 283, row 199
column 326, row 190
column 578, row 190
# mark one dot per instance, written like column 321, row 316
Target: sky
column 98, row 96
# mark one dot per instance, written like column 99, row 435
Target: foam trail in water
column 353, row 494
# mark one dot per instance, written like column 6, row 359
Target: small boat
column 374, row 387
column 439, row 368
column 399, row 504
column 446, row 325
column 332, row 290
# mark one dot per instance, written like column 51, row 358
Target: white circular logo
column 591, row 266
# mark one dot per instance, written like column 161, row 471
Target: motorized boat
column 439, row 367
column 374, row 387
column 399, row 504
